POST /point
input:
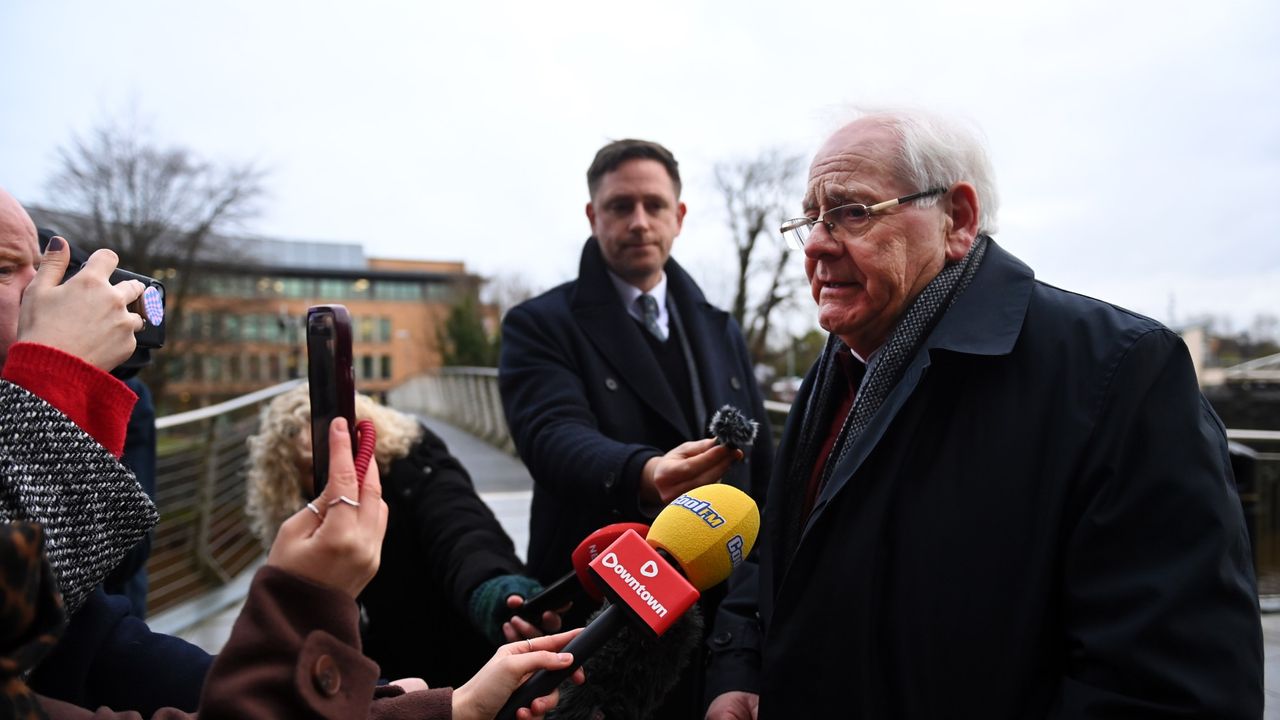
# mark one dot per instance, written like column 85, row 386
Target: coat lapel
column 704, row 326
column 604, row 321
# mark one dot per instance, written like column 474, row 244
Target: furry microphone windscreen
column 732, row 429
column 631, row 675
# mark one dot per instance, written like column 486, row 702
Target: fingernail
column 340, row 424
column 55, row 244
column 565, row 657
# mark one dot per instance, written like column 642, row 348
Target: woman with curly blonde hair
column 436, row 606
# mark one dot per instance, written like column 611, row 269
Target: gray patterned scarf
column 882, row 375
column 54, row 474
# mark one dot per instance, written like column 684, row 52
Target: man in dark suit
column 609, row 381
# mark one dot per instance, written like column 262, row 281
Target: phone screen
column 332, row 383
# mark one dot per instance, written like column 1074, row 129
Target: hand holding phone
column 332, row 383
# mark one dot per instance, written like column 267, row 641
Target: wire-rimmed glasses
column 851, row 218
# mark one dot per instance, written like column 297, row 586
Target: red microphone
column 700, row 537
column 579, row 585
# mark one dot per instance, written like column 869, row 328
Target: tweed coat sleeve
column 52, row 469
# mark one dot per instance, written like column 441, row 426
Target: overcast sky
column 1136, row 144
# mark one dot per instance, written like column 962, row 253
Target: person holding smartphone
column 437, row 607
column 60, row 438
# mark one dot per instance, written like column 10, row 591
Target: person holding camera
column 69, row 511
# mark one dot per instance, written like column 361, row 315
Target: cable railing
column 202, row 542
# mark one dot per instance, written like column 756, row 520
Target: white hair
column 936, row 151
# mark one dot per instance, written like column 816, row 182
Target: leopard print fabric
column 32, row 617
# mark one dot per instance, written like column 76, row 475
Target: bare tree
column 158, row 208
column 757, row 193
column 507, row 290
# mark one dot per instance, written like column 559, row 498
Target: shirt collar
column 628, row 294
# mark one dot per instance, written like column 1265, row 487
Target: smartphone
column 332, row 383
column 150, row 305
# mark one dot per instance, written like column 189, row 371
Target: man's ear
column 961, row 205
column 591, row 215
column 680, row 211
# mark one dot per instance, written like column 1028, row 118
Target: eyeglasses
column 851, row 218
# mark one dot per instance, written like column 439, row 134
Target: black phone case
column 332, row 383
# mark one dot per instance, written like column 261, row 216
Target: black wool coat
column 588, row 405
column 442, row 541
column 1040, row 522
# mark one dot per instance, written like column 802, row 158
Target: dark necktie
column 649, row 313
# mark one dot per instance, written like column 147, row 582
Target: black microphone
column 732, row 429
column 706, row 532
column 633, row 673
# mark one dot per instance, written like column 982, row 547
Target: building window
column 231, row 327
column 299, row 287
column 196, row 324
column 384, row 329
column 176, row 367
column 249, row 327
column 366, row 367
column 294, row 363
column 268, row 328
column 365, row 328
column 385, row 362
column 331, row 289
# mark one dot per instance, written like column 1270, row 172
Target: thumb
column 53, row 264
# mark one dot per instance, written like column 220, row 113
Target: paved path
column 504, row 484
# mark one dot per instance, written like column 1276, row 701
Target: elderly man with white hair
column 993, row 498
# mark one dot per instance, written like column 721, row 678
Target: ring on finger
column 312, row 507
column 529, row 642
column 344, row 500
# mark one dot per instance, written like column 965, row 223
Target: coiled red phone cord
column 367, row 436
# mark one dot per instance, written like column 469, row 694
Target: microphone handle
column 591, row 639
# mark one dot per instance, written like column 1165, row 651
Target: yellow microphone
column 708, row 531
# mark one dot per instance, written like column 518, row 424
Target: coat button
column 611, row 384
column 327, row 678
column 722, row 639
column 735, row 383
column 609, row 481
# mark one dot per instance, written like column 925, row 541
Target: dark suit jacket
column 588, row 405
column 1039, row 522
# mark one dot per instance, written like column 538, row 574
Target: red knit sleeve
column 94, row 400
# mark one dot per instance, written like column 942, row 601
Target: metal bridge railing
column 202, row 541
column 466, row 397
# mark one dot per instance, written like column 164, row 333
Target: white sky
column 1136, row 144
